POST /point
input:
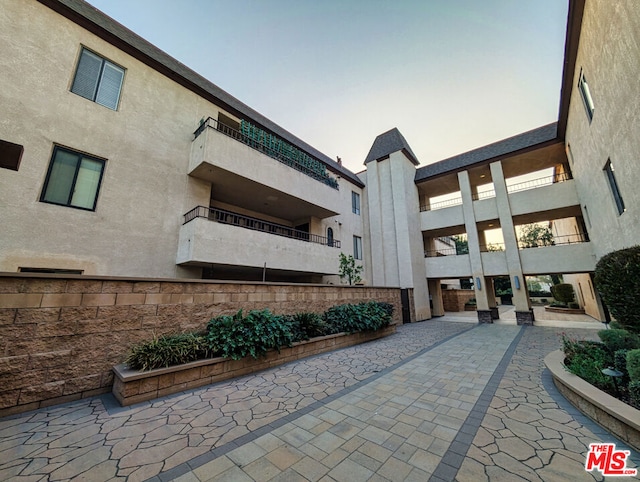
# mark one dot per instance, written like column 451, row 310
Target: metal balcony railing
column 265, row 149
column 556, row 241
column 540, row 182
column 442, row 204
column 247, row 222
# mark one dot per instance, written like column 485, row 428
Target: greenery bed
column 237, row 336
column 617, row 278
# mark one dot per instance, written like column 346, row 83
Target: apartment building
column 115, row 159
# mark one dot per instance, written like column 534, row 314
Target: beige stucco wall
column 609, row 56
column 146, row 143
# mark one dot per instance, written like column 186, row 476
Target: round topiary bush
column 617, row 278
column 563, row 292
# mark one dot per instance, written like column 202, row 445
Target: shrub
column 557, row 304
column 168, row 350
column 634, row 394
column 574, row 306
column 238, row 336
column 619, row 339
column 307, row 325
column 563, row 292
column 617, row 278
column 586, row 359
column 370, row 316
column 633, row 365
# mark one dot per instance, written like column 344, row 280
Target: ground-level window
column 10, row 155
column 357, row 247
column 98, row 80
column 73, row 179
column 613, row 184
column 355, row 202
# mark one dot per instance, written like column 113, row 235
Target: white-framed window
column 355, row 202
column 613, row 184
column 98, row 80
column 357, row 247
column 73, row 179
column 586, row 96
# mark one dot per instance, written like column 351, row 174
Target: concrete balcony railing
column 252, row 243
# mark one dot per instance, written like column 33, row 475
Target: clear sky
column 451, row 75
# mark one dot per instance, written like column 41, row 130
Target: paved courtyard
column 445, row 399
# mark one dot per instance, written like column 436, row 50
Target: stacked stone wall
column 61, row 336
column 454, row 300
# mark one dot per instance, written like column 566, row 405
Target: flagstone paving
column 436, row 401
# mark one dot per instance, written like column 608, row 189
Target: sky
column 451, row 75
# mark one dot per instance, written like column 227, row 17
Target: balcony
column 214, row 236
column 260, row 177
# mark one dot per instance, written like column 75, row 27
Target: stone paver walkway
column 436, row 401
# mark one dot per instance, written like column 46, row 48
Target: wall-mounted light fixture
column 478, row 284
column 516, row 282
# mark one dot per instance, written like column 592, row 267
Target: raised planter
column 468, row 307
column 134, row 386
column 569, row 311
column 615, row 416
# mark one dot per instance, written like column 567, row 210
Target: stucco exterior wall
column 609, row 57
column 146, row 143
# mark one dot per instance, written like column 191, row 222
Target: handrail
column 265, row 149
column 229, row 217
column 542, row 181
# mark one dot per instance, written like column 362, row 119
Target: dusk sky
column 451, row 75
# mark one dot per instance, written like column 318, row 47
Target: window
column 357, row 247
column 355, row 202
column 330, row 236
column 611, row 177
column 586, row 96
column 73, row 179
column 10, row 155
column 50, row 270
column 98, row 80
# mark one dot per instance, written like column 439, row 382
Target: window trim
column 585, row 94
column 81, row 155
column 100, row 78
column 357, row 247
column 355, row 203
column 613, row 186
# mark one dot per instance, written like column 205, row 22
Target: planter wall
column 615, row 416
column 569, row 311
column 133, row 386
column 61, row 335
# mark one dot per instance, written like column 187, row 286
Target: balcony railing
column 247, row 222
column 556, row 241
column 534, row 183
column 483, row 195
column 270, row 150
column 442, row 204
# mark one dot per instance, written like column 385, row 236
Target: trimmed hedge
column 616, row 339
column 238, row 336
column 617, row 278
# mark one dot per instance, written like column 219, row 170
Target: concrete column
column 524, row 312
column 491, row 296
column 475, row 257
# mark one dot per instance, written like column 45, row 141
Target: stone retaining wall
column 60, row 336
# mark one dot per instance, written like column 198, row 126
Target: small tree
column 462, row 245
column 534, row 235
column 618, row 281
column 349, row 270
column 563, row 292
